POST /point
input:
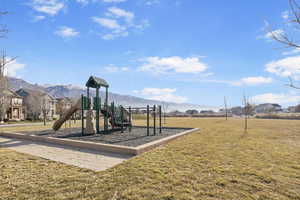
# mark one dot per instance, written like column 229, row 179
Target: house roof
column 12, row 93
column 95, row 82
column 25, row 92
column 64, row 99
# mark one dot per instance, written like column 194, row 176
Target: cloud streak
column 289, row 66
column 66, row 32
column 174, row 64
column 281, row 98
column 161, row 94
column 119, row 23
column 49, row 7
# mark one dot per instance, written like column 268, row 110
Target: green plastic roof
column 95, row 82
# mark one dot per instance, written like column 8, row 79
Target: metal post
column 122, row 119
column 82, row 116
column 148, row 120
column 130, row 121
column 159, row 108
column 88, row 98
column 154, row 119
column 112, row 107
column 106, row 109
column 97, row 110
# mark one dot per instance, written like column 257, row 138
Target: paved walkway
column 88, row 159
column 22, row 124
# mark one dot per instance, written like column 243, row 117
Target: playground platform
column 131, row 143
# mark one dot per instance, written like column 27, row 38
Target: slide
column 67, row 115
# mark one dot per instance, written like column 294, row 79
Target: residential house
column 37, row 104
column 62, row 105
column 268, row 108
column 15, row 110
column 192, row 112
column 238, row 110
column 207, row 112
column 292, row 109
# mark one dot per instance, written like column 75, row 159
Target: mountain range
column 59, row 91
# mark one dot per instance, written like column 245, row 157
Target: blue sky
column 170, row 50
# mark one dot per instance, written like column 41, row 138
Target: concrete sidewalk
column 22, row 124
column 88, row 159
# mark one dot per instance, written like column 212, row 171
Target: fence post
column 82, row 115
column 122, row 119
column 159, row 108
column 148, row 120
column 154, row 119
column 130, row 121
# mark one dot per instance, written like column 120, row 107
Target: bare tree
column 248, row 110
column 4, row 85
column 61, row 107
column 294, row 23
column 44, row 108
column 33, row 107
column 165, row 106
column 225, row 107
column 245, row 103
column 287, row 37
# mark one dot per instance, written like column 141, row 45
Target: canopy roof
column 95, row 82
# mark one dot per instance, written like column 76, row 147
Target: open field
column 219, row 162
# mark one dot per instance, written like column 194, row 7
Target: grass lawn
column 40, row 126
column 218, row 162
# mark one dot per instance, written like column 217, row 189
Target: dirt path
column 93, row 160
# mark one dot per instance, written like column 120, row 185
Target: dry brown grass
column 39, row 126
column 218, row 162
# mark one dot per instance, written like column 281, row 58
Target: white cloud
column 173, row 64
column 276, row 33
column 49, row 7
column 84, row 2
column 108, row 23
column 294, row 51
column 113, row 35
column 156, row 91
column 161, row 94
column 120, row 13
column 256, row 80
column 142, row 25
column 286, row 67
column 114, row 1
column 276, row 98
column 12, row 68
column 38, row 18
column 66, row 32
column 119, row 22
column 246, row 81
column 169, row 98
column 152, row 2
column 285, row 15
column 115, row 69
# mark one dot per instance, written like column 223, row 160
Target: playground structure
column 118, row 116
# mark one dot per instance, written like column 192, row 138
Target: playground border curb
column 133, row 151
